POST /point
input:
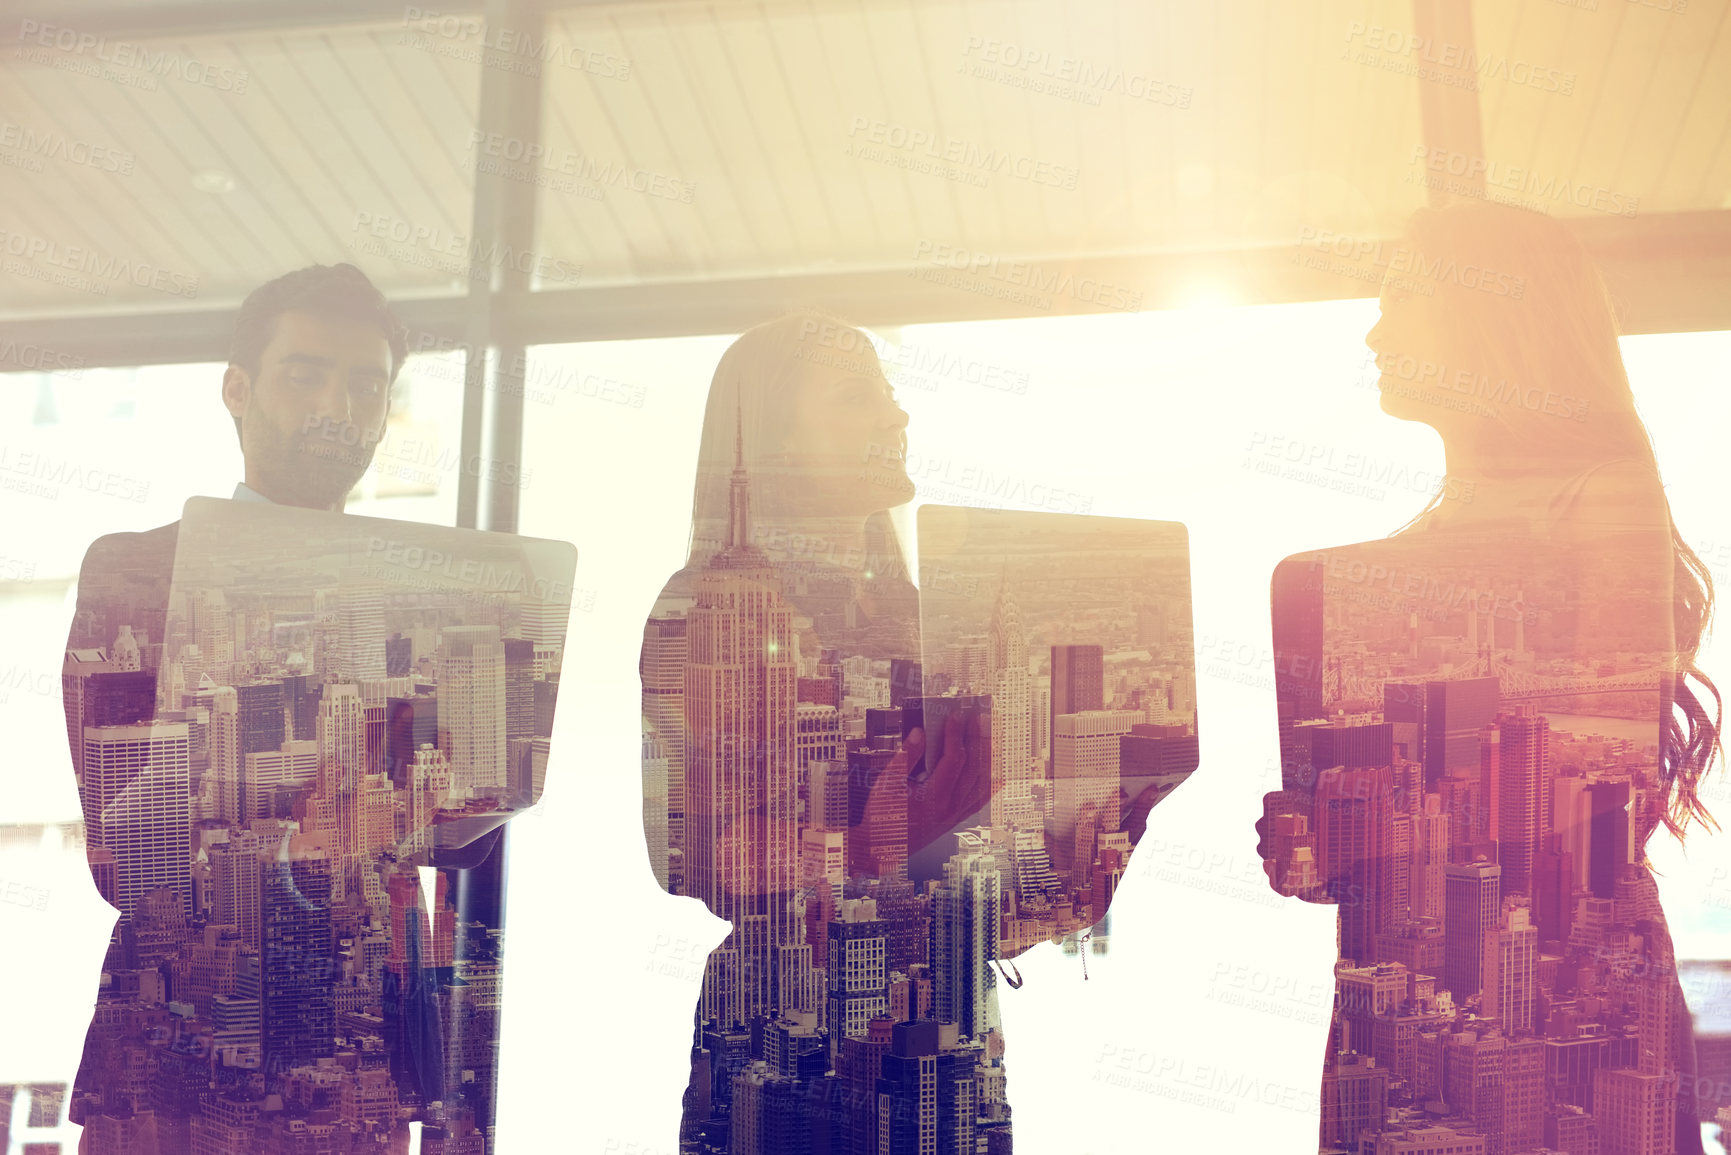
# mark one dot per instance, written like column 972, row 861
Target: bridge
column 1513, row 684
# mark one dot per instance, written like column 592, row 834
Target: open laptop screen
column 390, row 684
column 1057, row 649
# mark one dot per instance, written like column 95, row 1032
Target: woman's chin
column 888, row 487
column 1396, row 403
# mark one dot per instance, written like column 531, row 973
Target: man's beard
column 315, row 466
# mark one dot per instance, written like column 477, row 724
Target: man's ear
column 236, row 390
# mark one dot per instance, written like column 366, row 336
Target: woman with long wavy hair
column 1485, row 717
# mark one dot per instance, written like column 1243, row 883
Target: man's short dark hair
column 339, row 291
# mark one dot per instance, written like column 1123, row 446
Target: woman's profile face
column 1416, row 363
column 846, row 437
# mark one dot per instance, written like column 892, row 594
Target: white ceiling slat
column 174, row 146
column 745, row 68
column 308, row 113
column 264, row 189
column 747, row 178
column 377, row 176
column 616, row 237
column 807, row 71
column 1700, row 121
column 623, row 127
column 118, row 215
column 858, row 91
column 429, row 150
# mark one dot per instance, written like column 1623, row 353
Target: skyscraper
column 740, row 769
column 342, row 734
column 655, row 805
column 471, row 678
column 1636, row 1112
column 856, row 970
column 1511, row 971
column 1085, row 784
column 1297, row 597
column 361, row 629
column 98, row 693
column 1522, row 802
column 1442, row 718
column 1354, row 1098
column 1355, row 853
column 1078, row 683
column 877, row 815
column 1472, row 903
column 235, row 880
column 1430, row 856
column 519, row 688
column 966, row 914
column 1608, row 834
column 136, row 807
column 1012, row 708
column 927, row 1094
column 296, row 956
column 662, row 670
column 261, row 722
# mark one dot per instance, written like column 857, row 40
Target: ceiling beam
column 162, row 19
column 1448, row 91
column 1668, row 272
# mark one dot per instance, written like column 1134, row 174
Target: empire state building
column 741, row 684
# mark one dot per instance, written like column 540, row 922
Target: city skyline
column 267, row 746
column 1505, row 979
column 877, row 814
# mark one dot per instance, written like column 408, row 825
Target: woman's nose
column 1374, row 339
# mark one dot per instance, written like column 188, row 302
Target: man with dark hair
column 308, row 382
column 314, row 356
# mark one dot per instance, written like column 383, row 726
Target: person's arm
column 944, row 791
column 1286, row 832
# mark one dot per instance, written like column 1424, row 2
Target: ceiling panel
column 238, row 158
column 688, row 142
